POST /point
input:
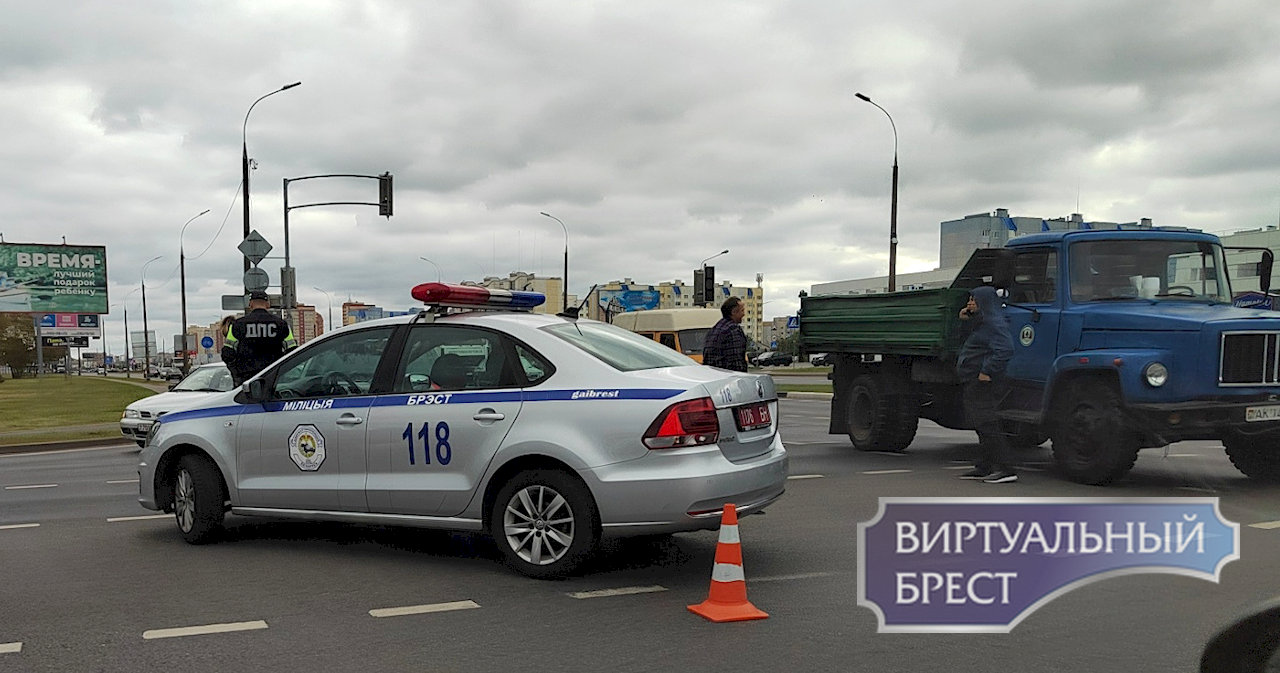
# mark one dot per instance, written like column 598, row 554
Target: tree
column 790, row 344
column 17, row 342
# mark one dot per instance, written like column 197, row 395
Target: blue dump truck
column 1123, row 340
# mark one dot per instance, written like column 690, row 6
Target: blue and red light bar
column 473, row 296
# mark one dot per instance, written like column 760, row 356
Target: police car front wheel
column 545, row 522
column 198, row 499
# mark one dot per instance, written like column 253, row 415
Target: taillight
column 688, row 423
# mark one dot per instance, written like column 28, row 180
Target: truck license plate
column 755, row 416
column 1268, row 413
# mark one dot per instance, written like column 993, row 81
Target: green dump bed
column 919, row 322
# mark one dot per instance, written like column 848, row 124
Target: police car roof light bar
column 476, row 297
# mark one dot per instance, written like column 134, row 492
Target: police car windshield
column 619, row 348
column 206, row 379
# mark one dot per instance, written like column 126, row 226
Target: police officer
column 256, row 340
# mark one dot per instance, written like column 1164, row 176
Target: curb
column 806, row 396
column 104, row 442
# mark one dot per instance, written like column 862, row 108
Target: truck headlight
column 1156, row 374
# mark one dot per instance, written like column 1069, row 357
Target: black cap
column 259, row 294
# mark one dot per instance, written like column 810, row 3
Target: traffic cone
column 727, row 600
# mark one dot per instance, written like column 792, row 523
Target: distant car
column 544, row 431
column 171, row 373
column 137, row 419
column 820, row 359
column 774, row 359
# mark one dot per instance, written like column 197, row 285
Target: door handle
column 349, row 420
column 489, row 416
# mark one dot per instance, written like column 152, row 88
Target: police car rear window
column 619, row 348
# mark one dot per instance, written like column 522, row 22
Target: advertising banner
column 70, row 341
column 631, row 300
column 53, row 278
column 70, row 324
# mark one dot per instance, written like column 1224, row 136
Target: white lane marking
column 10, row 648
column 123, row 481
column 958, row 467
column 899, row 454
column 886, row 472
column 620, row 591
column 145, row 517
column 1266, row 525
column 1197, row 490
column 203, row 630
column 805, row 476
column 19, row 525
column 423, row 609
column 19, row 488
column 784, row 578
column 1181, row 455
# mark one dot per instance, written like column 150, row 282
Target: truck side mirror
column 1264, row 271
column 1002, row 273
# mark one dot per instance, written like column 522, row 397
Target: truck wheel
column 1090, row 442
column 877, row 420
column 1254, row 456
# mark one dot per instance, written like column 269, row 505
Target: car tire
column 1091, row 443
column 199, row 499
column 1254, row 456
column 545, row 522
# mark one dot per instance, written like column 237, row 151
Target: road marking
column 784, row 578
column 1197, row 490
column 958, row 467
column 899, row 454
column 203, row 630
column 19, row 488
column 887, row 472
column 123, row 481
column 1028, row 468
column 1266, row 525
column 19, row 525
column 1180, row 455
column 423, row 609
column 144, row 517
column 805, row 476
column 621, row 591
column 10, row 648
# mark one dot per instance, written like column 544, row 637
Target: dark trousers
column 981, row 400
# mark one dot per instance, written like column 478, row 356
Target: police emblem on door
column 306, row 448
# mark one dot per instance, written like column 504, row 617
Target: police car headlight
column 132, row 413
column 1156, row 374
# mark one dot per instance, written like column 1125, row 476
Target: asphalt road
column 92, row 582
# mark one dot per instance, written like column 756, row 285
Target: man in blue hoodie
column 981, row 368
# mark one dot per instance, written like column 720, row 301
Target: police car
column 546, row 432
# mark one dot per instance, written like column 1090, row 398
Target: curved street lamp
column 146, row 342
column 564, row 298
column 330, row 300
column 244, row 159
column 893, row 207
column 182, row 268
column 439, row 273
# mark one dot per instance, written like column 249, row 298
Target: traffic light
column 384, row 194
column 709, row 286
column 697, row 287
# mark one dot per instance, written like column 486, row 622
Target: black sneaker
column 976, row 473
column 1001, row 477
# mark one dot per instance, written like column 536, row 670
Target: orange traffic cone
column 727, row 600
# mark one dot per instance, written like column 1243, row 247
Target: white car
column 137, row 419
column 544, row 431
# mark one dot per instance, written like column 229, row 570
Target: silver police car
column 544, row 431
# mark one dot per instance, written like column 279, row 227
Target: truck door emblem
column 1027, row 335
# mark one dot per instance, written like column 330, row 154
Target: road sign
column 793, row 322
column 70, row 341
column 255, row 247
column 256, row 279
column 206, row 342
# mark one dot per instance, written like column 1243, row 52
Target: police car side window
column 443, row 358
column 535, row 368
column 341, row 366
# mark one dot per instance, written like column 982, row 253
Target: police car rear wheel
column 198, row 499
column 545, row 522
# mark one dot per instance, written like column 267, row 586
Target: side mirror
column 1002, row 274
column 1264, row 271
column 1249, row 645
column 255, row 390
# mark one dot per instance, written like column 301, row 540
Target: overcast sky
column 659, row 132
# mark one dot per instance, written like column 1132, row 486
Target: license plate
column 755, row 416
column 1268, row 413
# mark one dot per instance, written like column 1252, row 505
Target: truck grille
column 1249, row 359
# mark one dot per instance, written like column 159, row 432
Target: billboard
column 631, row 300
column 53, row 278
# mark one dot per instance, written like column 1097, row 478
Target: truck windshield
column 1149, row 269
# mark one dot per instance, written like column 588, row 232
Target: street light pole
column 146, row 342
column 330, row 300
column 244, row 160
column 704, row 273
column 893, row 207
column 439, row 274
column 182, row 268
column 564, row 299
